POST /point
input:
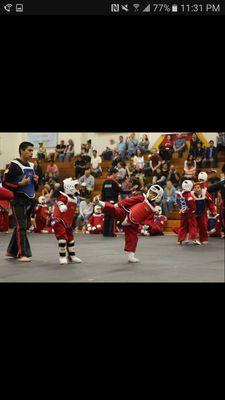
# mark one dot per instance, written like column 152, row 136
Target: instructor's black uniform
column 214, row 188
column 110, row 192
column 21, row 204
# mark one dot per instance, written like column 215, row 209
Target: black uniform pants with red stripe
column 19, row 244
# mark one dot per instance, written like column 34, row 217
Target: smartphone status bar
column 103, row 7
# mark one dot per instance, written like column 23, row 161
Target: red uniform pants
column 4, row 221
column 188, row 225
column 202, row 224
column 63, row 233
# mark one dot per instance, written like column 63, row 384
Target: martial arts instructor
column 20, row 178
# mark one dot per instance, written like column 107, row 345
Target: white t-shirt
column 95, row 161
column 139, row 161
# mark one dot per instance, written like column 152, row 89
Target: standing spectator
column 89, row 148
column 143, row 144
column 59, row 151
column 69, row 150
column 52, row 171
column 85, row 211
column 80, row 166
column 211, row 180
column 132, row 144
column 41, row 153
column 174, row 176
column 193, row 144
column 199, row 155
column 210, row 159
column 169, row 198
column 107, row 154
column 89, row 180
column 155, row 160
column 96, row 161
column 166, row 149
column 179, row 145
column 138, row 159
column 121, row 147
column 190, row 168
column 220, row 142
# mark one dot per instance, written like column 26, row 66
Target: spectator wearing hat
column 89, row 180
column 41, row 153
column 96, row 161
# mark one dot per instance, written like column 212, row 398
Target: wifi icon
column 136, row 6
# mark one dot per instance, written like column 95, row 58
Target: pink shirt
column 53, row 169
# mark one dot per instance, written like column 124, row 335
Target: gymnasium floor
column 105, row 261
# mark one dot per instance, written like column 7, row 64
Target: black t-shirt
column 111, row 189
column 60, row 146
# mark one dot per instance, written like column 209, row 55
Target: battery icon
column 174, row 8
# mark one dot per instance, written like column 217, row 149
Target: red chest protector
column 141, row 211
column 42, row 212
column 67, row 216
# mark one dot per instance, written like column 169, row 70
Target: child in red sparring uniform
column 132, row 212
column 155, row 225
column 5, row 194
column 62, row 222
column 202, row 179
column 188, row 223
column 4, row 216
column 96, row 221
column 42, row 217
column 214, row 225
column 203, row 202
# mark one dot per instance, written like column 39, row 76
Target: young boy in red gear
column 95, row 222
column 4, row 216
column 5, row 194
column 187, row 207
column 42, row 217
column 203, row 202
column 155, row 225
column 63, row 222
column 214, row 225
column 132, row 212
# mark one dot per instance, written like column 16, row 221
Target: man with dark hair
column 221, row 187
column 20, row 178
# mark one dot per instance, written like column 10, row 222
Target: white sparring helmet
column 187, row 185
column 98, row 209
column 76, row 182
column 69, row 186
column 203, row 176
column 156, row 189
column 158, row 209
column 42, row 200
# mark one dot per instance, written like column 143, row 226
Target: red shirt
column 67, row 216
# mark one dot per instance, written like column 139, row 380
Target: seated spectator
column 210, row 159
column 165, row 172
column 190, row 167
column 198, row 155
column 213, row 178
column 89, row 180
column 85, row 212
column 193, row 144
column 138, row 159
column 169, row 198
column 155, row 160
column 69, row 150
column 131, row 145
column 80, row 165
column 59, row 151
column 41, row 153
column 38, row 171
column 179, row 145
column 52, row 171
column 83, row 191
column 166, row 149
column 158, row 177
column 143, row 144
column 220, row 142
column 173, row 176
column 121, row 147
column 121, row 171
column 47, row 192
column 86, row 157
column 107, row 154
column 137, row 178
column 116, row 158
column 96, row 161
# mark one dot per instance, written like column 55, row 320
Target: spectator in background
column 59, row 151
column 38, row 171
column 79, row 165
column 121, row 147
column 189, row 167
column 107, row 154
column 220, row 142
column 69, row 150
column 52, row 171
column 165, row 171
column 158, row 177
column 169, row 198
column 166, row 149
column 174, row 176
column 137, row 178
column 193, row 144
column 89, row 148
column 179, row 145
column 138, row 159
column 131, row 143
column 85, row 211
column 83, row 191
column 121, row 170
column 155, row 160
column 199, row 155
column 213, row 178
column 41, row 153
column 143, row 144
column 210, row 159
column 116, row 158
column 89, row 180
column 96, row 161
